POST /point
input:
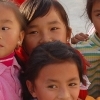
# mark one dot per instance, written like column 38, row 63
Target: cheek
column 96, row 22
column 9, row 38
column 62, row 38
column 28, row 45
column 97, row 27
column 75, row 93
column 44, row 94
column 65, row 35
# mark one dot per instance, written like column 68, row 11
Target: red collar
column 21, row 54
column 8, row 60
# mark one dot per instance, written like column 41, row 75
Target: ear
column 68, row 37
column 21, row 37
column 31, row 88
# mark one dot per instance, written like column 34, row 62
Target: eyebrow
column 51, row 80
column 72, row 79
column 96, row 11
column 6, row 21
column 51, row 22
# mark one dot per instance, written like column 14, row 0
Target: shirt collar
column 15, row 64
column 8, row 60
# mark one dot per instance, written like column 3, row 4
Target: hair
column 89, row 7
column 15, row 9
column 51, row 53
column 45, row 54
column 32, row 9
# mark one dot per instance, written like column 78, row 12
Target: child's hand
column 79, row 37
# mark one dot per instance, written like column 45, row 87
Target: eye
column 98, row 14
column 52, row 86
column 54, row 28
column 72, row 84
column 33, row 32
column 5, row 28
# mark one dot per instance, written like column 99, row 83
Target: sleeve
column 83, row 94
column 83, row 88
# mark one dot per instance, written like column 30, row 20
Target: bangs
column 36, row 9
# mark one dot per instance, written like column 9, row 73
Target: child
column 46, row 21
column 49, row 72
column 11, row 35
column 91, row 48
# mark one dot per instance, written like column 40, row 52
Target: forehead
column 6, row 13
column 59, row 72
column 52, row 15
column 96, row 3
column 96, row 7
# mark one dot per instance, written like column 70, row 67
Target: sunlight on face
column 57, row 81
column 44, row 29
column 9, row 31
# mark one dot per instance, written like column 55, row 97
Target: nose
column 64, row 94
column 0, row 37
column 45, row 38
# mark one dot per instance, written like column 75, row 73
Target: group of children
column 38, row 38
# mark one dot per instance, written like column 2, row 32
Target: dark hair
column 45, row 54
column 51, row 53
column 32, row 9
column 15, row 9
column 89, row 7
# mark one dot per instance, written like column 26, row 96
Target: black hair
column 51, row 53
column 32, row 9
column 11, row 5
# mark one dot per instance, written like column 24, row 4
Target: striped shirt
column 91, row 51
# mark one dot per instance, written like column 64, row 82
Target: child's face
column 9, row 31
column 96, row 16
column 45, row 29
column 56, row 82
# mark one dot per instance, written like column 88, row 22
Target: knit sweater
column 91, row 51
